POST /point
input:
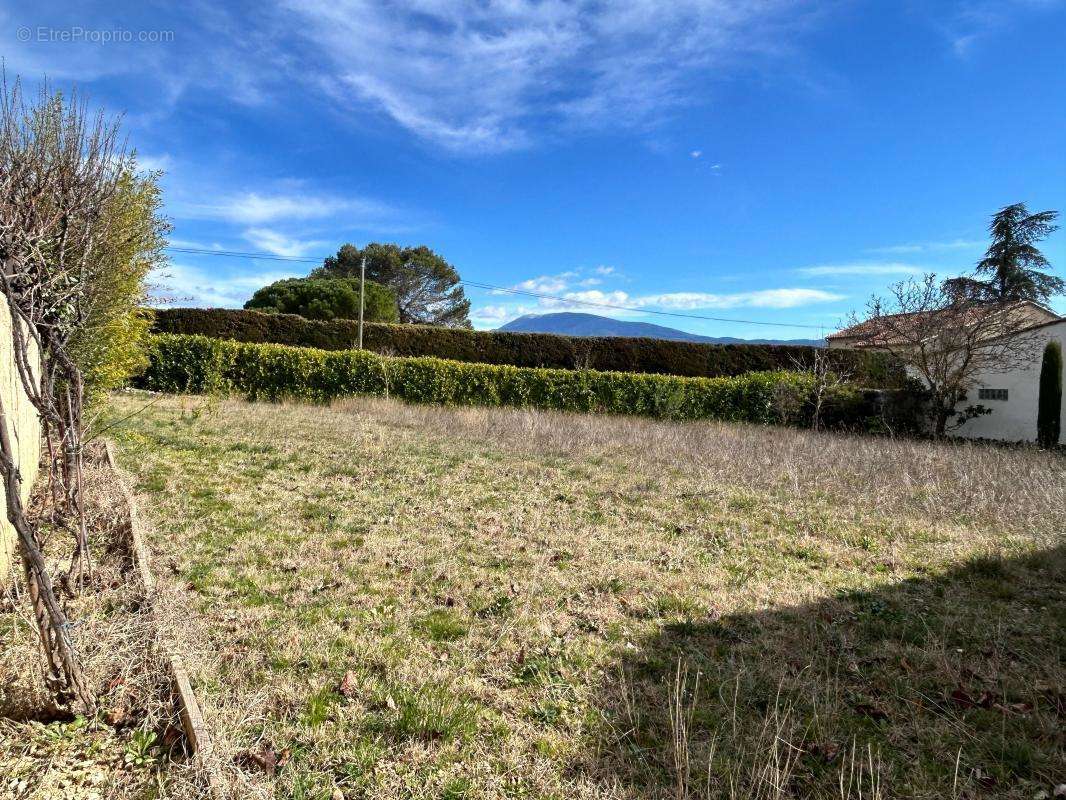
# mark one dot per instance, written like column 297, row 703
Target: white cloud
column 185, row 284
column 491, row 315
column 615, row 298
column 253, row 208
column 195, row 245
column 891, row 268
column 545, row 284
column 279, row 244
column 762, row 298
column 696, row 153
column 572, row 290
column 468, row 75
column 972, row 21
column 930, row 247
column 147, row 163
column 482, row 75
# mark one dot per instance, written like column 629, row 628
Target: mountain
column 571, row 324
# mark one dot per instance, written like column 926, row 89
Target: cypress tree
column 1049, row 408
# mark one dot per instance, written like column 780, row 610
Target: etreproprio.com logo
column 76, row 34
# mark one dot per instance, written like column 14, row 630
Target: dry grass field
column 388, row 601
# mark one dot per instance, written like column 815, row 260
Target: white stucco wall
column 25, row 432
column 1014, row 420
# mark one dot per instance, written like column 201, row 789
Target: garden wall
column 25, row 433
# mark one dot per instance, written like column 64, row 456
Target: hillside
column 568, row 323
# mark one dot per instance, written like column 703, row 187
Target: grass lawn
column 398, row 601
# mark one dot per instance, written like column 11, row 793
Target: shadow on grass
column 950, row 686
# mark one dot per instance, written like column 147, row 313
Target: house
column 1011, row 393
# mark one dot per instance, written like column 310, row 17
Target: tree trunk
column 941, row 428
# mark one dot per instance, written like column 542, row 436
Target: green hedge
column 199, row 364
column 610, row 354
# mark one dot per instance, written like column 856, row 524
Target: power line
column 509, row 290
column 203, row 251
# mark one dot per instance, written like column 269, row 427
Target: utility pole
column 362, row 298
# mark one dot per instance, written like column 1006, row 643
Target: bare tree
column 59, row 167
column 825, row 377
column 946, row 341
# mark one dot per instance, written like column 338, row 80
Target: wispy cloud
column 547, row 284
column 153, row 163
column 254, row 208
column 762, row 298
column 587, row 297
column 971, row 22
column 494, row 315
column 279, row 244
column 619, row 303
column 468, row 75
column 186, row 284
column 930, row 247
column 483, row 76
column 892, row 268
column 572, row 289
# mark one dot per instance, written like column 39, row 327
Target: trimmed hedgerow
column 605, row 354
column 198, row 364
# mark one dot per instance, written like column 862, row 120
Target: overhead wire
column 512, row 290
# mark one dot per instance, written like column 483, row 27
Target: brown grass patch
column 132, row 747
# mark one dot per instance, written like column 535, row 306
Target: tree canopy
column 110, row 344
column 426, row 286
column 1013, row 267
column 325, row 298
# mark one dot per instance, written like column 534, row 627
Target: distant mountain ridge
column 568, row 323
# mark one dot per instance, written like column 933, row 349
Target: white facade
column 1014, row 419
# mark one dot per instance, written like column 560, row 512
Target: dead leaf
column 825, row 752
column 984, row 780
column 349, row 684
column 871, row 711
column 263, row 758
column 172, row 735
column 962, row 698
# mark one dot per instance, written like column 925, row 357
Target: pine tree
column 1014, row 266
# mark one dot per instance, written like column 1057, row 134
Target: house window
column 992, row 394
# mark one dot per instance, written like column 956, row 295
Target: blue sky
column 763, row 160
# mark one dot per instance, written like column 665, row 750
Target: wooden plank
column 191, row 717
